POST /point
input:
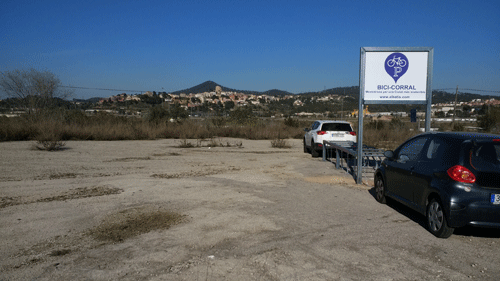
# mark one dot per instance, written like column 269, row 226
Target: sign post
column 395, row 75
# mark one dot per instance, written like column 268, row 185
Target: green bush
column 243, row 116
column 157, row 114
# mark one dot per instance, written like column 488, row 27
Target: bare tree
column 32, row 89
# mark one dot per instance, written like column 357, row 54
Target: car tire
column 380, row 190
column 436, row 220
column 306, row 150
column 314, row 152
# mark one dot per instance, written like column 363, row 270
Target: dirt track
column 148, row 210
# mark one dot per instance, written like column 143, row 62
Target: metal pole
column 359, row 174
column 430, row 63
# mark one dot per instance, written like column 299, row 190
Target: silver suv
column 328, row 130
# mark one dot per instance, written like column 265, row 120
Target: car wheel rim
column 435, row 217
column 379, row 189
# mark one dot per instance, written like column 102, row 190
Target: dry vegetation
column 77, row 126
column 133, row 222
column 51, row 129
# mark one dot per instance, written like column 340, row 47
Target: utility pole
column 342, row 107
column 454, row 110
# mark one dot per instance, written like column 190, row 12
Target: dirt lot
column 149, row 210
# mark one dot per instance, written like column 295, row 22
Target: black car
column 451, row 178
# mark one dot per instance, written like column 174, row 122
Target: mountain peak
column 209, row 86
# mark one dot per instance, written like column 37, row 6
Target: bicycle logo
column 396, row 61
column 396, row 65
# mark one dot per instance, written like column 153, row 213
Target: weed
column 291, row 122
column 280, row 142
column 185, row 144
column 49, row 145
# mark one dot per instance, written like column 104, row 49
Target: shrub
column 242, row 115
column 185, row 144
column 376, row 124
column 157, row 114
column 76, row 117
column 389, row 137
column 291, row 122
column 15, row 129
column 218, row 121
column 397, row 123
column 280, row 142
column 49, row 136
column 490, row 121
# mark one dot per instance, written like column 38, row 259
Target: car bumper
column 317, row 146
column 476, row 213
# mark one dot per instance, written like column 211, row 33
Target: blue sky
column 296, row 46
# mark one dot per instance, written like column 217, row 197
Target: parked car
column 328, row 130
column 451, row 178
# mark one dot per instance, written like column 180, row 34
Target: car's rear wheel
column 436, row 220
column 380, row 190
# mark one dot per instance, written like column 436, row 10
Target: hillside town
column 231, row 100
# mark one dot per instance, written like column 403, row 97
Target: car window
column 435, row 149
column 336, row 127
column 486, row 156
column 315, row 126
column 412, row 149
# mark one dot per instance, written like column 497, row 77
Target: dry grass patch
column 133, row 222
column 58, row 176
column 83, row 192
column 195, row 173
column 129, row 159
column 212, row 142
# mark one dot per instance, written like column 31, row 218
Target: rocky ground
column 150, row 210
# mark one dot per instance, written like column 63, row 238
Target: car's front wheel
column 436, row 220
column 306, row 150
column 380, row 189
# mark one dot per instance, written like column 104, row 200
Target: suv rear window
column 336, row 127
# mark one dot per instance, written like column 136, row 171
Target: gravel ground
column 149, row 210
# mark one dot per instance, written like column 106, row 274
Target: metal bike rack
column 346, row 156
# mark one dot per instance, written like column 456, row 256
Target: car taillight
column 496, row 140
column 461, row 174
column 320, row 133
column 352, row 133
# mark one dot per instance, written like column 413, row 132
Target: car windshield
column 336, row 127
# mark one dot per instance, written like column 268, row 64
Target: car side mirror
column 307, row 130
column 389, row 154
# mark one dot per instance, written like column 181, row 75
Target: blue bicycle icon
column 396, row 61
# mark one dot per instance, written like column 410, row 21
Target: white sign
column 395, row 76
